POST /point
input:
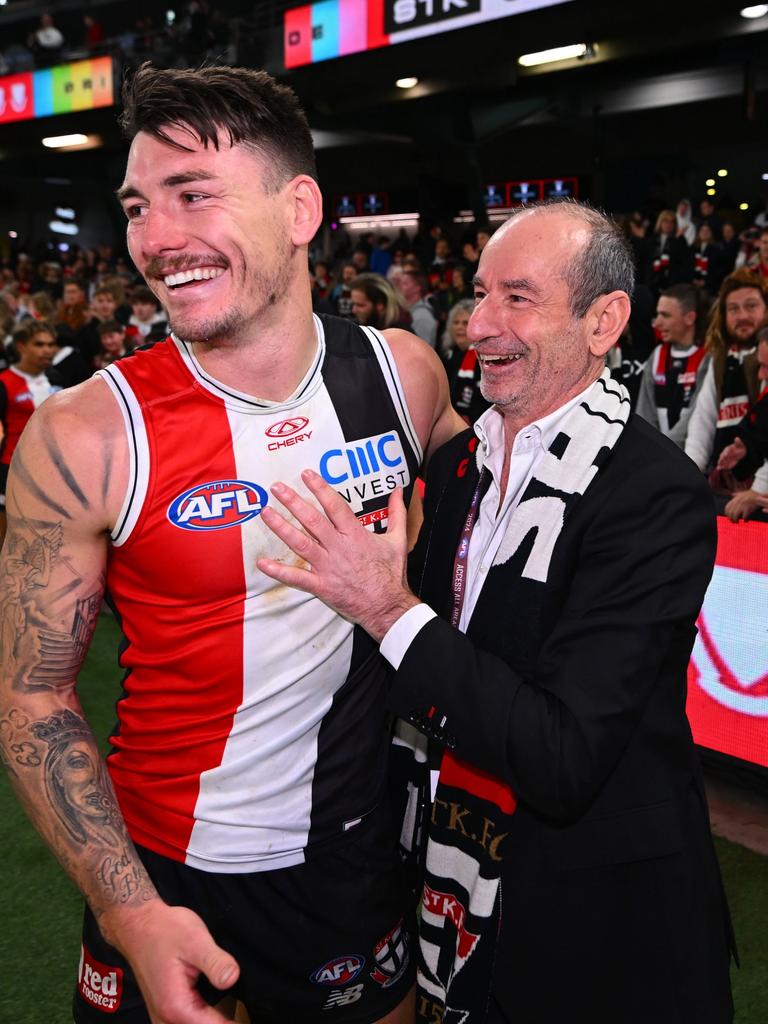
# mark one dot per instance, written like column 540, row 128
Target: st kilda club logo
column 287, row 433
column 733, row 671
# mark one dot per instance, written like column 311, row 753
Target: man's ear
column 607, row 318
column 307, row 209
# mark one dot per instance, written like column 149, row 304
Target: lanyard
column 462, row 551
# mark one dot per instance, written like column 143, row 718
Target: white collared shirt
column 530, row 445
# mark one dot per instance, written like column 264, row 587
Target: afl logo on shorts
column 287, row 427
column 217, row 505
column 339, row 971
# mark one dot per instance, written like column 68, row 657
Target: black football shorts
column 329, row 940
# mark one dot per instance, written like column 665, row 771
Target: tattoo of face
column 76, row 781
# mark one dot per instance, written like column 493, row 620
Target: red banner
column 728, row 673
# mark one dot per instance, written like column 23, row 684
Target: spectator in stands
column 708, row 215
column 46, row 43
column 677, row 366
column 686, row 229
column 51, row 274
column 102, row 308
column 93, row 33
column 116, row 286
column 23, row 387
column 41, row 306
column 69, row 366
column 758, row 263
column 412, row 286
column 730, row 383
column 72, row 312
column 341, row 296
column 708, row 271
column 381, row 256
column 374, row 303
column 114, row 343
column 462, row 282
column 670, row 261
column 463, row 367
column 731, row 248
column 360, row 261
column 748, row 452
column 147, row 322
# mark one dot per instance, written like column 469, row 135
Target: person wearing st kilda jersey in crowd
column 748, row 454
column 676, row 367
column 463, row 366
column 730, row 383
column 708, row 261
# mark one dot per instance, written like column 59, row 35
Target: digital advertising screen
column 346, row 206
column 495, row 195
column 522, row 192
column 374, row 202
column 82, row 85
column 337, row 28
column 728, row 672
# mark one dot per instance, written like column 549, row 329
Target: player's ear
column 607, row 318
column 306, row 208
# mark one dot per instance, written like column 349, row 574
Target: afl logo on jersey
column 287, row 427
column 340, row 971
column 217, row 505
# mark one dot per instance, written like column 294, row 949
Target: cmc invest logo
column 731, row 652
column 287, row 427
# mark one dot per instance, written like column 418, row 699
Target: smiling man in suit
column 543, row 642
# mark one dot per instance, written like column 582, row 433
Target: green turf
column 40, row 910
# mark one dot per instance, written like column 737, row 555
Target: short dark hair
column 248, row 106
column 686, row 294
column 110, row 327
column 29, row 330
column 144, row 294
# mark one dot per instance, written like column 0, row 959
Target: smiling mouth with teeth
column 500, row 360
column 183, row 277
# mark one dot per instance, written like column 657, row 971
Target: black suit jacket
column 574, row 693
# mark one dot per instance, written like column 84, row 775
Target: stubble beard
column 235, row 324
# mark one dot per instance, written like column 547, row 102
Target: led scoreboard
column 336, row 28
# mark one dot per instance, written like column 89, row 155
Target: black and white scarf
column 461, row 897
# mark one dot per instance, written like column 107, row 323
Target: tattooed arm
column 66, row 487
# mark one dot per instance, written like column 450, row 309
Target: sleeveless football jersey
column 251, row 730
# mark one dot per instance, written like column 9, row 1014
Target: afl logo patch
column 287, row 427
column 217, row 505
column 339, row 971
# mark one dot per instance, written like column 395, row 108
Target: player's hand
column 360, row 575
column 743, row 504
column 168, row 949
column 732, row 455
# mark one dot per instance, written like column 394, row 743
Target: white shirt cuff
column 402, row 633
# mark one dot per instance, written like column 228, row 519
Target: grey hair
column 462, row 306
column 604, row 265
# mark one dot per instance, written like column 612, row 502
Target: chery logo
column 287, row 427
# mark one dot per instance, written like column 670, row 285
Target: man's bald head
column 601, row 260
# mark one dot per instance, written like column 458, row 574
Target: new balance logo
column 343, row 996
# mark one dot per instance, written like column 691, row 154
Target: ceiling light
column 13, row 234
column 63, row 227
column 406, row 83
column 743, row 206
column 765, row 176
column 722, row 173
column 755, row 11
column 711, row 192
column 531, row 60
column 710, row 182
column 57, row 141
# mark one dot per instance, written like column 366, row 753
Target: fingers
column 310, row 518
column 292, row 576
column 397, row 520
column 298, row 541
column 332, row 503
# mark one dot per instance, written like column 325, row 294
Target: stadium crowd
column 694, row 355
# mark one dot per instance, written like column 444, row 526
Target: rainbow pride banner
column 336, row 28
column 83, row 85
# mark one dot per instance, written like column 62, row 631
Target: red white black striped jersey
column 252, row 727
